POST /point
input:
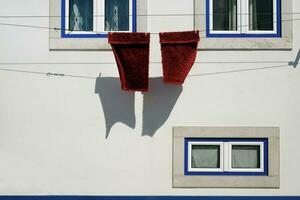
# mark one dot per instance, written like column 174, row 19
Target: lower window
column 226, row 157
column 217, row 156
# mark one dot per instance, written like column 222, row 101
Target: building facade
column 67, row 128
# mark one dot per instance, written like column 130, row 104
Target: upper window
column 243, row 18
column 94, row 18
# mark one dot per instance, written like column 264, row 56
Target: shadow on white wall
column 158, row 104
column 118, row 105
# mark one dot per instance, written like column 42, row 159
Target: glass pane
column 245, row 156
column 116, row 15
column 205, row 156
column 81, row 15
column 261, row 15
column 225, row 15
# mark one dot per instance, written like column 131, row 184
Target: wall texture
column 54, row 138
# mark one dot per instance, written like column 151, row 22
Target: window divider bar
column 243, row 17
column 226, row 156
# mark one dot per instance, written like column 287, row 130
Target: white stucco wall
column 52, row 129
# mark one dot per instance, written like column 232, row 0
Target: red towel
column 131, row 52
column 179, row 50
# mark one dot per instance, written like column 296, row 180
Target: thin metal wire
column 46, row 73
column 239, row 70
column 155, row 33
column 29, row 26
column 153, row 62
column 249, row 25
column 156, row 62
column 189, row 76
column 147, row 15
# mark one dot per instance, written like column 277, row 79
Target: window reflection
column 117, row 15
column 81, row 15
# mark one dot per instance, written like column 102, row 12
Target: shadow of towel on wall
column 158, row 104
column 117, row 105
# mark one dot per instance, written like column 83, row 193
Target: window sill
column 222, row 43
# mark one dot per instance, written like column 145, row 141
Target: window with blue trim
column 94, row 18
column 243, row 18
column 213, row 156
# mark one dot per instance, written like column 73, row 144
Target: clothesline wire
column 68, row 75
column 57, row 29
column 238, row 70
column 286, row 64
column 148, row 15
column 240, row 26
column 154, row 62
column 46, row 73
column 189, row 76
column 203, row 62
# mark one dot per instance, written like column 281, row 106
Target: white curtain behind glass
column 245, row 156
column 205, row 156
column 253, row 15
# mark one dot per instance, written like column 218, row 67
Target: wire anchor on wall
column 54, row 74
column 69, row 75
column 295, row 63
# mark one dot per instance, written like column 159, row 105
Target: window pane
column 245, row 156
column 81, row 15
column 116, row 15
column 225, row 15
column 261, row 15
column 205, row 156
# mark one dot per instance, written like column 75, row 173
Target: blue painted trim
column 266, row 157
column 101, row 35
column 216, row 35
column 279, row 24
column 239, row 35
column 149, row 197
column 186, row 154
column 63, row 14
column 134, row 11
column 207, row 19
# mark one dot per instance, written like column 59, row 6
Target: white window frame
column 226, row 156
column 243, row 18
column 246, row 19
column 191, row 169
column 98, row 18
column 231, row 169
column 212, row 31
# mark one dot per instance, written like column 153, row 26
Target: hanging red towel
column 179, row 50
column 131, row 52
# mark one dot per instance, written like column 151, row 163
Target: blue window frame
column 243, row 18
column 96, row 17
column 226, row 156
